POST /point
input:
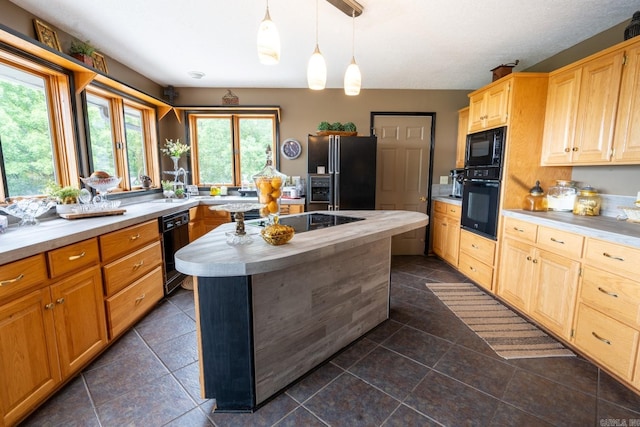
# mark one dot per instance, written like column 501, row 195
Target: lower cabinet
column 202, row 220
column 446, row 231
column 46, row 336
column 288, row 209
column 477, row 255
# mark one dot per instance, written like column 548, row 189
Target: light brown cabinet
column 489, row 108
column 446, row 231
column 591, row 114
column 49, row 334
column 463, row 128
column 202, row 220
column 477, row 255
column 288, row 208
column 133, row 275
column 538, row 277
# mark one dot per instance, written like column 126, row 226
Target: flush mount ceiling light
column 196, row 74
column 317, row 68
column 353, row 77
column 268, row 41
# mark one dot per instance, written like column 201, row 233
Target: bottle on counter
column 562, row 196
column 535, row 200
column 588, row 202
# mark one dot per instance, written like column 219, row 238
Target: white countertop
column 52, row 233
column 448, row 199
column 599, row 227
column 210, row 256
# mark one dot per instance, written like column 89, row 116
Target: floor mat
column 510, row 336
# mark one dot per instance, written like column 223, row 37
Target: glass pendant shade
column 317, row 71
column 352, row 79
column 268, row 41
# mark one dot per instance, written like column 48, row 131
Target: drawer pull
column 136, row 237
column 49, row 306
column 557, row 241
column 604, row 291
column 60, row 301
column 604, row 340
column 138, row 265
column 612, row 257
column 75, row 257
column 472, row 269
column 519, row 230
column 10, row 281
column 474, row 246
column 140, row 298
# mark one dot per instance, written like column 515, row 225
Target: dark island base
column 260, row 333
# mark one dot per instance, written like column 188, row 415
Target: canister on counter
column 588, row 202
column 535, row 200
column 562, row 196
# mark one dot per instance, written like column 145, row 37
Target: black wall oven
column 481, row 185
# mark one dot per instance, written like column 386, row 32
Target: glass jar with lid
column 562, row 196
column 588, row 202
column 535, row 200
column 269, row 183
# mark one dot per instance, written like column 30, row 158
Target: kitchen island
column 266, row 315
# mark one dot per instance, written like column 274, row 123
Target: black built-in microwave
column 485, row 148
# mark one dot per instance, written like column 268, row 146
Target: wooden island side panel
column 305, row 314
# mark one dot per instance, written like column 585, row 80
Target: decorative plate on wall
column 291, row 149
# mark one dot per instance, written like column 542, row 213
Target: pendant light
column 352, row 77
column 317, row 68
column 268, row 41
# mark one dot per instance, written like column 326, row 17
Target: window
column 121, row 137
column 228, row 149
column 35, row 128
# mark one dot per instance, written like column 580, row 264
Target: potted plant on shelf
column 336, row 128
column 82, row 51
column 66, row 197
column 167, row 188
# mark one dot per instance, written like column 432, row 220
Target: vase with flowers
column 175, row 150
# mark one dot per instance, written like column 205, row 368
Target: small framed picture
column 99, row 63
column 46, row 35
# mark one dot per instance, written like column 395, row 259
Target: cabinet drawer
column 560, row 242
column 478, row 247
column 617, row 296
column 128, row 305
column 613, row 257
column 117, row 243
column 22, row 275
column 447, row 209
column 606, row 340
column 477, row 271
column 120, row 273
column 518, row 229
column 73, row 257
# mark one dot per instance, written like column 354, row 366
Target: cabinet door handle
column 606, row 292
column 574, row 149
column 138, row 265
column 474, row 246
column 519, row 230
column 535, row 261
column 49, row 306
column 617, row 258
column 529, row 258
column 566, row 150
column 75, row 257
column 136, row 237
column 604, row 340
column 472, row 269
column 10, row 281
column 140, row 298
column 557, row 241
column 60, row 301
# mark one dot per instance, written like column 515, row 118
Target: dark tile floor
column 423, row 367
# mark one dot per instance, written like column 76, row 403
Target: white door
column 402, row 176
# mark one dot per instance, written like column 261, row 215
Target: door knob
column 423, row 199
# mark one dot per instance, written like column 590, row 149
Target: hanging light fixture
column 317, row 68
column 353, row 77
column 268, row 41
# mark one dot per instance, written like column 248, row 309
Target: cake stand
column 239, row 236
column 102, row 186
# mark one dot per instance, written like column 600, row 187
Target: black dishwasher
column 175, row 235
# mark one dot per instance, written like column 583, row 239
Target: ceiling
column 399, row 44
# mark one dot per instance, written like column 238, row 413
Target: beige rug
column 510, row 336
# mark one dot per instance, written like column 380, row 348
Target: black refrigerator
column 342, row 172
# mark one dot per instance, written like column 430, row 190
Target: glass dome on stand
column 269, row 182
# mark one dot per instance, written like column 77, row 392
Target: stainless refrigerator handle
column 331, row 151
column 336, row 153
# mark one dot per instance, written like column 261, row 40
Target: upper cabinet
column 489, row 107
column 591, row 109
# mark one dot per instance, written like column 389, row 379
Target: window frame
column 58, row 85
column 117, row 103
column 234, row 114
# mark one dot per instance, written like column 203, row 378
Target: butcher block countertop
column 211, row 256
